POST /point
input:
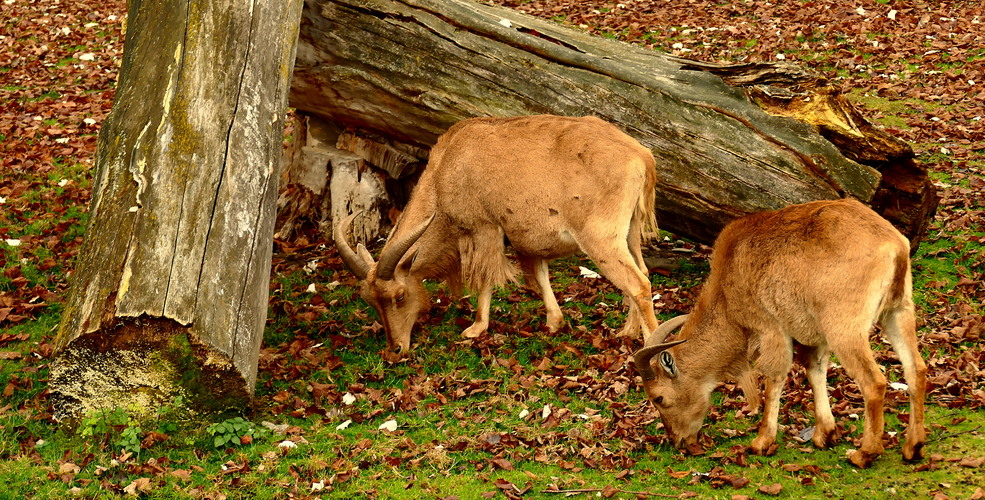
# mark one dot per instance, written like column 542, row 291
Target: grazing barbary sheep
column 549, row 185
column 818, row 275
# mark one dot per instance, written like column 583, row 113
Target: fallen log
column 728, row 139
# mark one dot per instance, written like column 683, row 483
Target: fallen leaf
column 503, row 484
column 609, row 491
column 773, row 489
column 153, row 438
column 68, row 468
column 141, row 485
column 678, row 474
column 183, row 474
column 502, row 463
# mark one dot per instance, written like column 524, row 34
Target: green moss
column 142, row 364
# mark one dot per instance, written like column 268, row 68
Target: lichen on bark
column 139, row 365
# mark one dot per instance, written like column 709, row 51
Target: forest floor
column 514, row 413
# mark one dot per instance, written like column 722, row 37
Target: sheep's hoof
column 764, row 448
column 825, row 438
column 861, row 459
column 913, row 453
column 553, row 325
column 628, row 332
column 473, row 332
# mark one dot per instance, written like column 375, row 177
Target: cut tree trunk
column 729, row 140
column 170, row 288
column 329, row 176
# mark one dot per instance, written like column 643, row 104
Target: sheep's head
column 388, row 286
column 681, row 403
column 398, row 303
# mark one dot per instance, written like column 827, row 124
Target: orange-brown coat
column 819, row 276
column 548, row 185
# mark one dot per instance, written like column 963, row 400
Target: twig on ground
column 953, row 434
column 599, row 490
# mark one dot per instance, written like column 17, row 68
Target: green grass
column 478, row 426
column 470, row 414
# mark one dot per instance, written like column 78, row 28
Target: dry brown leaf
column 68, row 468
column 183, row 474
column 140, row 485
column 502, row 463
column 773, row 489
column 609, row 491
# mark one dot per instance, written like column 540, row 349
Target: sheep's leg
column 543, row 280
column 622, row 271
column 776, row 356
column 771, row 411
column 749, row 385
column 899, row 326
column 484, row 265
column 620, row 266
column 856, row 357
column 636, row 318
column 481, row 323
column 825, row 431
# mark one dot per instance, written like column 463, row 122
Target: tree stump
column 170, row 289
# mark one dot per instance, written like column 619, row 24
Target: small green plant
column 230, row 432
column 167, row 415
column 103, row 423
column 129, row 440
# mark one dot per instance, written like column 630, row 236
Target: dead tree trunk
column 729, row 140
column 170, row 288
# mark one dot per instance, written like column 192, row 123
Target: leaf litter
column 60, row 62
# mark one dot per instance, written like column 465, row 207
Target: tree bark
column 170, row 288
column 729, row 140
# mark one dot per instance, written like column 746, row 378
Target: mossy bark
column 409, row 69
column 177, row 251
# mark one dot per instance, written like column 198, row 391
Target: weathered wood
column 379, row 153
column 170, row 288
column 329, row 177
column 408, row 69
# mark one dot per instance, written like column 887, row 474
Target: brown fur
column 819, row 276
column 549, row 185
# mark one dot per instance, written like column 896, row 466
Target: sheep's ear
column 413, row 259
column 668, row 364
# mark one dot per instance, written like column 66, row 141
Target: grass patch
column 518, row 410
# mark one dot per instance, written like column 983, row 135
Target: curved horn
column 665, row 329
column 395, row 250
column 356, row 264
column 644, row 355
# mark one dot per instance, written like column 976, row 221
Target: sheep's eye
column 659, row 400
column 400, row 298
